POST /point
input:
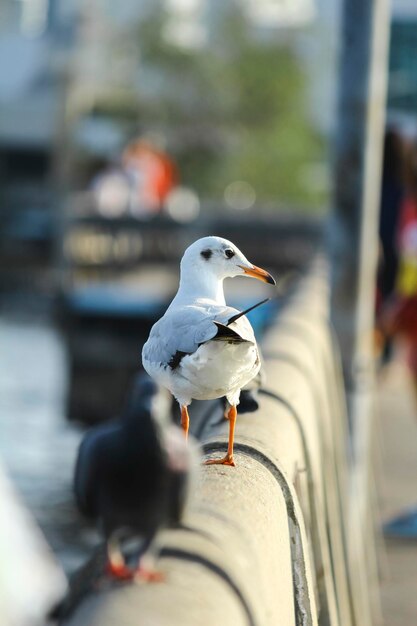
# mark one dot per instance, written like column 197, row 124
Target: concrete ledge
column 327, row 465
column 225, row 570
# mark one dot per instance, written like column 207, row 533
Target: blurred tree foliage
column 235, row 109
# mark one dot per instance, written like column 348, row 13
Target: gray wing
column 184, row 329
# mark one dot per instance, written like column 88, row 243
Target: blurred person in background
column 152, row 173
column 399, row 315
column 138, row 182
column 392, row 195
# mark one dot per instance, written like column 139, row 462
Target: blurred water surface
column 37, row 444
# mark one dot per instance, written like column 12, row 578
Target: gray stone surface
column 246, row 539
column 396, row 480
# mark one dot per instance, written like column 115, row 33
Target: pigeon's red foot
column 146, row 575
column 120, row 571
column 227, row 460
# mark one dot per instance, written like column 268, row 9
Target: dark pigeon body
column 123, row 477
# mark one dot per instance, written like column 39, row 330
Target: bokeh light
column 182, row 204
column 112, row 194
column 240, row 195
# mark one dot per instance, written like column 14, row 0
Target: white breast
column 215, row 370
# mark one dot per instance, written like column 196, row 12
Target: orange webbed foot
column 227, row 460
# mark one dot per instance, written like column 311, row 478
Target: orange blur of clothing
column 154, row 171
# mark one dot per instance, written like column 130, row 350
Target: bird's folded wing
column 184, row 329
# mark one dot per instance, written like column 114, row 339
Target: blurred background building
column 78, row 80
column 127, row 129
column 89, row 75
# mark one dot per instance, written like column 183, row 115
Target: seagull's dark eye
column 229, row 253
column 206, row 254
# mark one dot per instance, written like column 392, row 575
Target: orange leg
column 185, row 420
column 228, row 459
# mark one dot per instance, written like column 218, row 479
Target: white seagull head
column 219, row 258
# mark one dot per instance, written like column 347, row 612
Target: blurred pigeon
column 202, row 349
column 132, row 476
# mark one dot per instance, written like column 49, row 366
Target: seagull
column 249, row 394
column 202, row 349
column 132, row 476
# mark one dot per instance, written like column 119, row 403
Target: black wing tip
column 225, row 333
column 234, row 318
column 175, row 360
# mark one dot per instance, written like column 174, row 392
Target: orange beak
column 259, row 273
